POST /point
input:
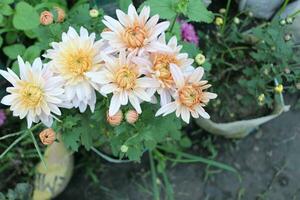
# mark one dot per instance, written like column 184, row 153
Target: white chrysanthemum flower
column 157, row 66
column 123, row 78
column 133, row 31
column 190, row 96
column 35, row 95
column 71, row 59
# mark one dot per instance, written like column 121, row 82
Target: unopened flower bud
column 287, row 70
column 116, row 119
column 222, row 10
column 282, row 22
column 279, row 88
column 261, row 98
column 250, row 14
column 47, row 136
column 131, row 116
column 236, row 20
column 298, row 86
column 200, row 59
column 46, row 18
column 219, row 21
column 289, row 20
column 94, row 13
column 124, row 148
column 287, row 37
column 60, row 14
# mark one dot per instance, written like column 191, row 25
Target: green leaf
column 31, row 53
column 197, row 11
column 6, row 10
column 190, row 48
column 25, row 17
column 1, row 41
column 123, row 4
column 11, row 37
column 14, row 50
column 185, row 142
column 7, row 1
column 86, row 138
column 164, row 8
column 71, row 139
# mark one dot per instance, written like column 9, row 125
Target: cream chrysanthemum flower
column 123, row 78
column 190, row 96
column 35, row 95
column 157, row 66
column 71, row 59
column 133, row 31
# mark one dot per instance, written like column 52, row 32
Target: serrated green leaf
column 71, row 139
column 164, row 8
column 25, row 17
column 197, row 11
column 14, row 50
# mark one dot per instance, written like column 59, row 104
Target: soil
column 267, row 161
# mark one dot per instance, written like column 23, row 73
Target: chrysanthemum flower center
column 32, row 95
column 161, row 65
column 79, row 62
column 134, row 36
column 190, row 95
column 126, row 78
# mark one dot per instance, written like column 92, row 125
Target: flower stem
column 226, row 15
column 173, row 23
column 154, row 177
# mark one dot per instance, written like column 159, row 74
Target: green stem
column 154, row 177
column 173, row 23
column 13, row 144
column 283, row 6
column 37, row 148
column 226, row 15
column 11, row 135
column 108, row 158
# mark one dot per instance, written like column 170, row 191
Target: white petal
column 185, row 114
column 196, row 75
column 115, row 104
column 177, row 75
column 166, row 109
column 135, row 103
column 142, row 94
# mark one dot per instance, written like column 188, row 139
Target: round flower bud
column 298, row 86
column 116, row 119
column 47, row 136
column 222, row 10
column 60, row 14
column 287, row 70
column 131, row 116
column 94, row 13
column 287, row 37
column 236, row 20
column 282, row 22
column 289, row 20
column 250, row 14
column 261, row 98
column 46, row 18
column 200, row 59
column 219, row 21
column 124, row 148
column 279, row 88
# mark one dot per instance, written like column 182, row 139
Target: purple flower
column 188, row 33
column 2, row 117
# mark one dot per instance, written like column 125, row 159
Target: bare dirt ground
column 268, row 163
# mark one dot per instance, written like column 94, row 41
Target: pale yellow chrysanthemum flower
column 36, row 95
column 157, row 65
column 190, row 96
column 71, row 59
column 133, row 32
column 123, row 78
